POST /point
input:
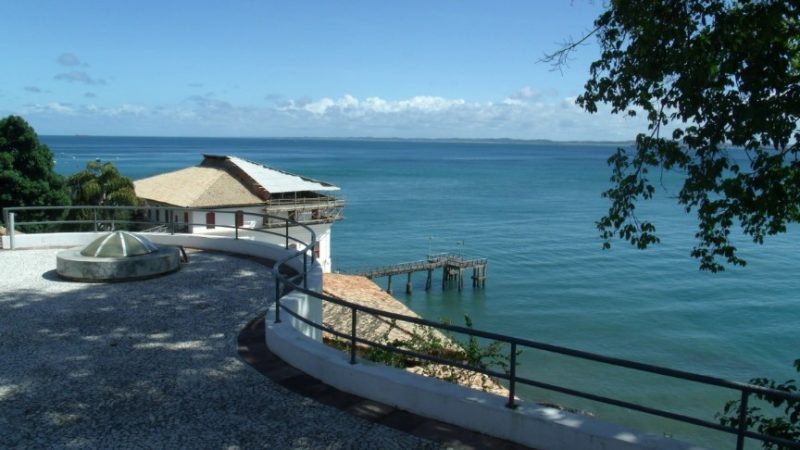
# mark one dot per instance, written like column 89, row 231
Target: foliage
column 101, row 185
column 786, row 426
column 425, row 340
column 27, row 175
column 723, row 76
column 719, row 84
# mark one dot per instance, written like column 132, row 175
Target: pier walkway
column 452, row 265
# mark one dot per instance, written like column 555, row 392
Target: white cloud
column 126, row 109
column 49, row 108
column 524, row 115
column 526, row 93
column 352, row 106
column 90, row 110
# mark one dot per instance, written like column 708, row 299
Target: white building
column 226, row 183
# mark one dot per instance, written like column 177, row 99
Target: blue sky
column 435, row 69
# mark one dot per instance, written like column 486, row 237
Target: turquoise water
column 530, row 209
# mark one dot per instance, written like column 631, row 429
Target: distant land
column 503, row 141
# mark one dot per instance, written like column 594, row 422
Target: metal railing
column 327, row 200
column 515, row 345
column 99, row 223
column 285, row 283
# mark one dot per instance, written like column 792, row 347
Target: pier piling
column 453, row 267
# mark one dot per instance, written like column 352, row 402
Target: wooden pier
column 453, row 268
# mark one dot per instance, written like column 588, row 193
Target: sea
column 531, row 209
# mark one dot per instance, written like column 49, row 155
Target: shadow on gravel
column 150, row 364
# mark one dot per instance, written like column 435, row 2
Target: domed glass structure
column 119, row 244
column 117, row 256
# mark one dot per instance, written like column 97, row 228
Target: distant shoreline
column 498, row 141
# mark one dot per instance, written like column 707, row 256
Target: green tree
column 27, row 177
column 101, row 184
column 719, row 84
column 723, row 77
column 766, row 422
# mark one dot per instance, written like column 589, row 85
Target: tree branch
column 559, row 58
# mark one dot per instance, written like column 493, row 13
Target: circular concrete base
column 71, row 265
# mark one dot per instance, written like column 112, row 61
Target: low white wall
column 39, row 240
column 530, row 424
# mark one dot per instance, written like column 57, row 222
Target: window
column 158, row 215
column 185, row 217
column 210, row 221
column 239, row 218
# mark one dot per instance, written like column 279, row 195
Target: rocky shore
column 362, row 291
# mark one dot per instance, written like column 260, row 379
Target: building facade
column 240, row 192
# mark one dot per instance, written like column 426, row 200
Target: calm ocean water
column 530, row 209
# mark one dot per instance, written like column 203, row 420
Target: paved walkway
column 154, row 364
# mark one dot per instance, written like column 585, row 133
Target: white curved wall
column 530, row 424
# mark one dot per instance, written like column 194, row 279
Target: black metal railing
column 100, row 223
column 287, row 281
column 515, row 344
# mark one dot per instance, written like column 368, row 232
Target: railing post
column 236, row 228
column 94, row 212
column 305, row 270
column 287, row 234
column 11, row 232
column 277, row 299
column 512, row 376
column 353, row 337
column 742, row 421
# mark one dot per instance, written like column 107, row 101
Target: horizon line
column 351, row 138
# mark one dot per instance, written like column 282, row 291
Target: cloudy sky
column 433, row 69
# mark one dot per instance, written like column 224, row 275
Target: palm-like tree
column 101, row 184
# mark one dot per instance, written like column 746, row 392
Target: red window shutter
column 239, row 218
column 316, row 250
column 210, row 220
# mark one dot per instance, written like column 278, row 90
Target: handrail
column 432, row 262
column 299, row 282
column 170, row 225
column 745, row 389
column 305, row 200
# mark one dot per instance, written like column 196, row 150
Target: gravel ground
column 151, row 364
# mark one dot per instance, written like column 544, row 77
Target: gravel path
column 151, row 364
